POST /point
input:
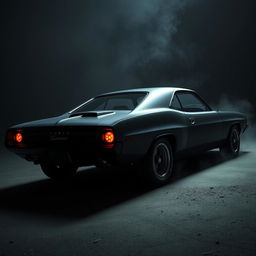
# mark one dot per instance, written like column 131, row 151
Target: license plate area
column 58, row 157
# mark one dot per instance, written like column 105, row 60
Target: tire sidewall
column 234, row 131
column 153, row 176
column 227, row 149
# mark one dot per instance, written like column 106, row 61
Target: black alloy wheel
column 231, row 147
column 159, row 162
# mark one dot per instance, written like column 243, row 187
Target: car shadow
column 199, row 162
column 93, row 190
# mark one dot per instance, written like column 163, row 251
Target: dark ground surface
column 208, row 209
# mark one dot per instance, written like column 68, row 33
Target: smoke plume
column 120, row 40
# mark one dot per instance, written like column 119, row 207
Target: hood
column 92, row 118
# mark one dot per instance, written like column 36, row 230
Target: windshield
column 121, row 101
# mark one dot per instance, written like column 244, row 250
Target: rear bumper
column 83, row 155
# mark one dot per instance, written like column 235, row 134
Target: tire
column 58, row 172
column 231, row 147
column 159, row 163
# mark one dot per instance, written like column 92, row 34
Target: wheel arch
column 236, row 124
column 170, row 137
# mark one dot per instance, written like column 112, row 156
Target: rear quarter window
column 175, row 104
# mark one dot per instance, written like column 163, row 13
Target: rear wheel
column 231, row 147
column 159, row 163
column 59, row 171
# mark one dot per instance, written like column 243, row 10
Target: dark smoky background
column 57, row 54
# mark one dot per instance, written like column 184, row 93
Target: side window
column 175, row 103
column 191, row 103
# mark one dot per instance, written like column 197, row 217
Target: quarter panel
column 139, row 132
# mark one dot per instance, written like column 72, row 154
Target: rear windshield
column 121, row 101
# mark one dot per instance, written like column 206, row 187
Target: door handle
column 192, row 120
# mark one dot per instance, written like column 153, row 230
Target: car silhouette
column 146, row 127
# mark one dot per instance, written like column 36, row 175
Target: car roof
column 148, row 89
column 158, row 97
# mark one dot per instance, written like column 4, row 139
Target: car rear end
column 81, row 145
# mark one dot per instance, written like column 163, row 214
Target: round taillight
column 108, row 137
column 18, row 137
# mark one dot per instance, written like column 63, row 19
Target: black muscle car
column 146, row 126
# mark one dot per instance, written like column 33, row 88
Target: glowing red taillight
column 108, row 136
column 18, row 137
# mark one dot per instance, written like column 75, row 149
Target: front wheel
column 231, row 147
column 159, row 163
column 58, row 171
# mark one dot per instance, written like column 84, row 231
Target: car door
column 204, row 124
